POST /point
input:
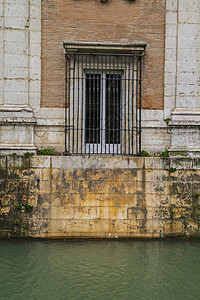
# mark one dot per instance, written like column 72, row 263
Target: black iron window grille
column 103, row 103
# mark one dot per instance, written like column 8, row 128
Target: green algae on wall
column 99, row 197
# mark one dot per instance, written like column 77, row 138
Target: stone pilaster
column 21, row 72
column 182, row 73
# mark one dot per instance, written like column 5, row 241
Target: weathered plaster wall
column 62, row 197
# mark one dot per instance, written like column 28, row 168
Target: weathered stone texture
column 110, row 198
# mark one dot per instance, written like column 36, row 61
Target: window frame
column 74, row 50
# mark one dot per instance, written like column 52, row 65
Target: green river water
column 99, row 269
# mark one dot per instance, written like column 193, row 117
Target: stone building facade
column 99, row 77
column 33, row 68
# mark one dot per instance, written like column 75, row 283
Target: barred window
column 103, row 102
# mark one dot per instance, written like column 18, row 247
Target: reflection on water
column 119, row 269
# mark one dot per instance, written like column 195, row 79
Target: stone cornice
column 76, row 47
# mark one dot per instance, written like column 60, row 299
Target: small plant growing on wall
column 167, row 120
column 165, row 154
column 16, row 223
column 145, row 153
column 45, row 152
column 24, row 227
column 27, row 207
column 196, row 195
column 28, row 154
column 19, row 206
column 172, row 170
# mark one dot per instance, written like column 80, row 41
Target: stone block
column 34, row 98
column 193, row 53
column 188, row 17
column 98, row 174
column 171, row 30
column 158, row 187
column 34, row 86
column 126, row 200
column 112, row 213
column 94, row 187
column 154, row 176
column 35, row 49
column 35, row 36
column 173, row 227
column 15, row 23
column 15, row 73
column 181, row 163
column 45, row 187
column 15, row 85
column 15, row 48
column 16, row 60
column 89, row 199
column 35, row 25
column 119, row 175
column 35, row 11
column 171, row 5
column 85, row 213
column 13, row 9
column 40, row 161
column 171, row 17
column 170, row 78
column 14, row 36
column 67, row 162
column 170, row 55
column 169, row 91
column 18, row 98
column 35, row 62
column 62, row 213
column 35, row 74
column 170, row 66
column 68, row 200
column 64, row 187
column 156, row 163
column 188, row 6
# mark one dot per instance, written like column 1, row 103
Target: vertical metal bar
column 128, row 105
column 136, row 103
column 121, row 107
column 74, row 62
column 133, row 104
column 98, row 99
column 125, row 103
column 78, row 105
column 69, row 113
column 66, row 103
column 114, row 107
column 104, row 100
column 93, row 101
column 82, row 105
column 117, row 104
column 140, row 117
column 109, row 91
column 85, row 129
column 101, row 105
column 90, row 79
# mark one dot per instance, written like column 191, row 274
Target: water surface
column 99, row 269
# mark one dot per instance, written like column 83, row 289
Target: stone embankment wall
column 99, row 197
